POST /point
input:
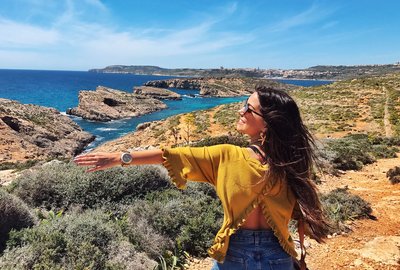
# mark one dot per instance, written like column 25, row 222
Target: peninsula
column 31, row 132
column 321, row 72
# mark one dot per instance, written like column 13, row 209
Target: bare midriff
column 256, row 220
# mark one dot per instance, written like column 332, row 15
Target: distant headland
column 322, row 72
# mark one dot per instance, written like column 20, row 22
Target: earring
column 263, row 138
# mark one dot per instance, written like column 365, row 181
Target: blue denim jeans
column 255, row 250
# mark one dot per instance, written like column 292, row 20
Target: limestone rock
column 177, row 83
column 382, row 249
column 35, row 132
column 106, row 104
column 154, row 92
column 143, row 126
column 219, row 86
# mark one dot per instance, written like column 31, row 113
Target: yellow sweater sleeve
column 198, row 164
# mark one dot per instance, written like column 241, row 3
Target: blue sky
column 84, row 34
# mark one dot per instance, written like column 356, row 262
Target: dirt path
column 373, row 244
column 386, row 118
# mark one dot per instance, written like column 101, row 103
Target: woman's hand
column 99, row 161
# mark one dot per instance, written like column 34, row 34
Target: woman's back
column 256, row 220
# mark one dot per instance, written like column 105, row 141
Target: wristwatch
column 126, row 159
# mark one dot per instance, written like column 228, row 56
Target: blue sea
column 60, row 90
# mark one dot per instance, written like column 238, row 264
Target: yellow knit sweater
column 238, row 180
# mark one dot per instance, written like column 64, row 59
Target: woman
column 259, row 186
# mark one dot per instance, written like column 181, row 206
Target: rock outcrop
column 219, row 87
column 177, row 83
column 35, row 132
column 106, row 104
column 154, row 92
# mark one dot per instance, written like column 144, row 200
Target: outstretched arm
column 102, row 160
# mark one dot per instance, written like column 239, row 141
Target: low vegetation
column 354, row 151
column 351, row 106
column 238, row 140
column 18, row 166
column 227, row 115
column 394, row 175
column 130, row 218
column 14, row 215
column 341, row 206
column 135, row 209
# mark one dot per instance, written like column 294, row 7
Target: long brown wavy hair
column 289, row 149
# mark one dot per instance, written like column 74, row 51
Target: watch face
column 126, row 158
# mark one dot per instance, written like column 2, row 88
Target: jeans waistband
column 244, row 236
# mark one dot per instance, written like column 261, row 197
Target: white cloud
column 311, row 15
column 84, row 46
column 16, row 35
column 73, row 43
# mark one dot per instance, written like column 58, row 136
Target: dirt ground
column 372, row 244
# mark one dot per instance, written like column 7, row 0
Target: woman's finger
column 86, row 163
column 86, row 158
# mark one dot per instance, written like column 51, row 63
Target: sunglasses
column 246, row 109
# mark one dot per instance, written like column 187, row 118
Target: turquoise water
column 60, row 90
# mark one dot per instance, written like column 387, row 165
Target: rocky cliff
column 34, row 132
column 106, row 104
column 218, row 87
column 155, row 92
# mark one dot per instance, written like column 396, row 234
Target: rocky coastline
column 106, row 104
column 321, row 72
column 219, row 86
column 157, row 93
column 31, row 132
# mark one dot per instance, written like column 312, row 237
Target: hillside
column 154, row 70
column 368, row 105
column 321, row 72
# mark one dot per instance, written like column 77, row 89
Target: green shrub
column 394, row 175
column 18, row 166
column 225, row 139
column 356, row 150
column 124, row 256
column 389, row 141
column 200, row 189
column 157, row 221
column 14, row 215
column 350, row 153
column 60, row 185
column 383, row 151
column 191, row 219
column 76, row 241
column 141, row 233
column 199, row 232
column 340, row 205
